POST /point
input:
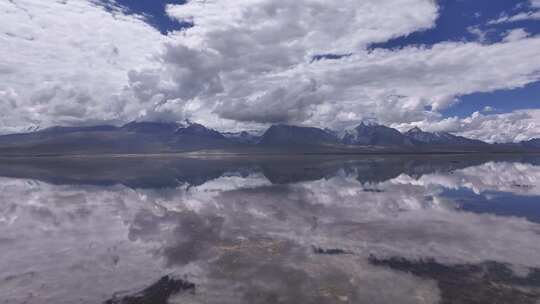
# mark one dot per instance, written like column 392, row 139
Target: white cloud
column 266, row 47
column 64, row 60
column 382, row 80
column 488, row 109
column 480, row 34
column 518, row 17
column 515, row 34
column 515, row 126
column 533, row 14
column 308, row 24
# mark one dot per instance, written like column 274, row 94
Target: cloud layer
column 269, row 76
column 516, row 126
column 64, row 62
column 245, row 64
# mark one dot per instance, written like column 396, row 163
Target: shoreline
column 203, row 154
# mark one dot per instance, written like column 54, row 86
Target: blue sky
column 153, row 11
column 247, row 64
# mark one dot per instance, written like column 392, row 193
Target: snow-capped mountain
column 439, row 138
column 195, row 129
column 375, row 135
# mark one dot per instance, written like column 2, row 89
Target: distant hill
column 533, row 143
column 134, row 137
column 171, row 137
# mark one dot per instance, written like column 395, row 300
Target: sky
column 468, row 67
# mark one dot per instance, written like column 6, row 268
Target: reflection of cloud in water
column 243, row 240
column 517, row 178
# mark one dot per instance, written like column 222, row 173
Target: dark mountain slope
column 284, row 135
column 151, row 127
column 135, row 137
column 533, row 143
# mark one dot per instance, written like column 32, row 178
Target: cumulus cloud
column 265, row 48
column 65, row 60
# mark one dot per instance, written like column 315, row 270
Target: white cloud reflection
column 62, row 243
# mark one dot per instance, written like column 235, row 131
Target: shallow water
column 414, row 229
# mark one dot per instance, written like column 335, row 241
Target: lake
column 271, row 229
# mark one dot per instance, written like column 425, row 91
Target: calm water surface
column 416, row 229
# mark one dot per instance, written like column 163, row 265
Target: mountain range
column 171, row 137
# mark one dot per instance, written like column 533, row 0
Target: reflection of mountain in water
column 473, row 283
column 163, row 172
column 158, row 293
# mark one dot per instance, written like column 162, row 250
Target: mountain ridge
column 375, row 135
column 296, row 135
column 440, row 138
column 147, row 137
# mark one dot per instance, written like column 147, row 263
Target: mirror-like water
column 411, row 229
